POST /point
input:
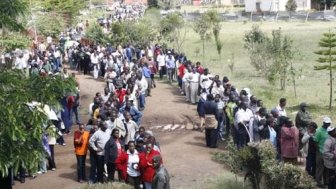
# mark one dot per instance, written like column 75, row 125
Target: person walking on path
column 161, row 178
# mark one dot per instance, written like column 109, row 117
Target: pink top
column 289, row 142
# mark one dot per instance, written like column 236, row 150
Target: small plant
column 258, row 163
column 231, row 63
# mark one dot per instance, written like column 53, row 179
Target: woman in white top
column 128, row 163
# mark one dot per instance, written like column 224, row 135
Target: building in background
column 274, row 5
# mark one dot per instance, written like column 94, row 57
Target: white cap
column 326, row 120
column 330, row 128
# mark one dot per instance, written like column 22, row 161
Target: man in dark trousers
column 211, row 122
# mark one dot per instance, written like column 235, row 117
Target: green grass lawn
column 312, row 86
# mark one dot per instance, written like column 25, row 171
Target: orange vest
column 82, row 149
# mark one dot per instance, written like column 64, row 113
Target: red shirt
column 146, row 168
column 70, row 102
column 200, row 70
column 121, row 94
column 181, row 69
column 152, row 67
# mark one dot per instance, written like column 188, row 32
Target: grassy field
column 312, row 86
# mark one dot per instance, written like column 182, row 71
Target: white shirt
column 132, row 127
column 282, row 112
column 94, row 58
column 49, row 39
column 218, row 90
column 161, row 60
column 20, row 63
column 142, row 85
column 243, row 116
column 193, row 77
column 133, row 163
column 105, row 97
column 207, row 82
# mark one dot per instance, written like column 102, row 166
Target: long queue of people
column 224, row 111
column 114, row 137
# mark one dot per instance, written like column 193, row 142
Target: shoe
column 22, row 180
column 63, row 144
column 33, row 176
column 53, row 169
column 39, row 172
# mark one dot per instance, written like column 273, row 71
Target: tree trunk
column 331, row 83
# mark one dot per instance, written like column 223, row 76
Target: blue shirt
column 170, row 63
column 146, row 72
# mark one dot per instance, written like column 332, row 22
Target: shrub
column 258, row 164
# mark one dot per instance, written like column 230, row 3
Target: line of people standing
column 114, row 137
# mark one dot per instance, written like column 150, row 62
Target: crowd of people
column 225, row 111
column 114, row 137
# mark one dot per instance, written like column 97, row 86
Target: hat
column 303, row 104
column 330, row 128
column 326, row 120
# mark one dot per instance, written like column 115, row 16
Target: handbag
column 210, row 122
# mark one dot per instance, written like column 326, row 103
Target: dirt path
column 184, row 152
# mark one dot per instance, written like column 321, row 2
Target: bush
column 114, row 185
column 258, row 164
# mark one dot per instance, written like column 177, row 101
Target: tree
column 68, row 9
column 95, row 33
column 140, row 33
column 327, row 57
column 282, row 52
column 22, row 125
column 48, row 28
column 12, row 41
column 219, row 47
column 10, row 11
column 173, row 30
column 202, row 28
column 271, row 57
column 291, row 7
column 257, row 44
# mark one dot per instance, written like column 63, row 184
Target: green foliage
column 172, row 30
column 114, row 185
column 10, row 10
column 271, row 57
column 139, row 33
column 68, row 8
column 96, row 34
column 12, row 41
column 257, row 44
column 327, row 56
column 50, row 28
column 258, row 163
column 21, row 125
column 291, row 5
column 283, row 53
